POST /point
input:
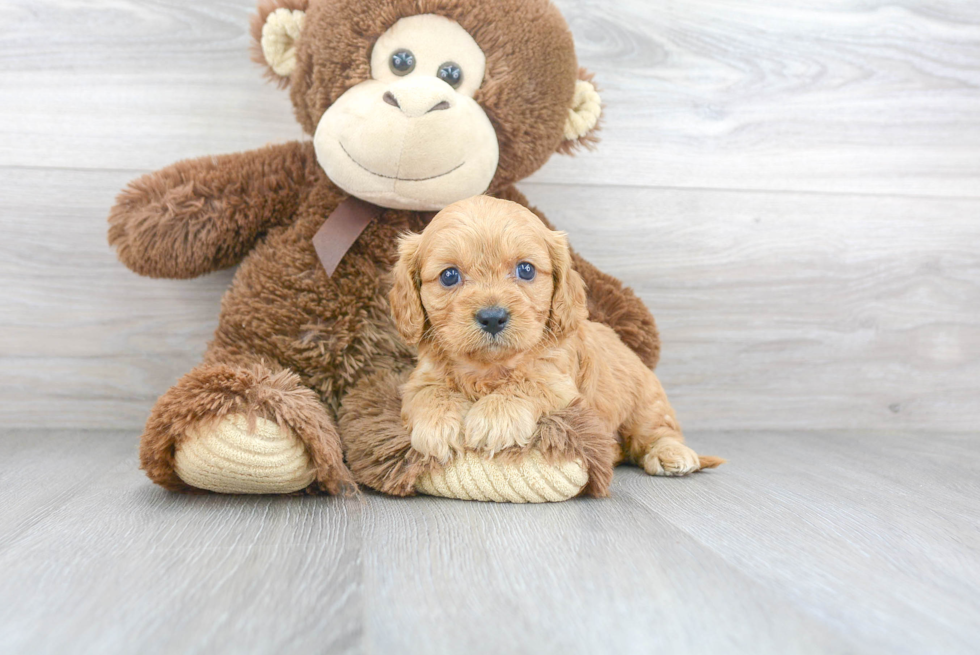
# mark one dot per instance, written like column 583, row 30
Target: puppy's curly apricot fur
column 489, row 295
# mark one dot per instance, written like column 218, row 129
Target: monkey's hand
column 202, row 215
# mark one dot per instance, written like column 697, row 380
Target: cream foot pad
column 228, row 458
column 532, row 480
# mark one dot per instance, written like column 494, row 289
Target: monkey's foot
column 229, row 457
column 531, row 479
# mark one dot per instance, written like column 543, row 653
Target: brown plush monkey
column 412, row 105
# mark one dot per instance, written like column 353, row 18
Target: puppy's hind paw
column 671, row 458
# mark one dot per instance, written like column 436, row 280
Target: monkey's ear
column 275, row 29
column 582, row 123
column 405, row 298
column 569, row 304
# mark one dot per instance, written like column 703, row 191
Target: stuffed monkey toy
column 411, row 106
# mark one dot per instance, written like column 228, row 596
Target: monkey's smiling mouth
column 399, row 179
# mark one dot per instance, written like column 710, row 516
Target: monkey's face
column 416, row 111
column 413, row 137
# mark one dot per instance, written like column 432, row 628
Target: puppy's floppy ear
column 406, row 303
column 568, row 302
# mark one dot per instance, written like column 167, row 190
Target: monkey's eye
column 451, row 74
column 449, row 277
column 402, row 62
column 525, row 271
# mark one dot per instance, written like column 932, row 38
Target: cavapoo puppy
column 488, row 294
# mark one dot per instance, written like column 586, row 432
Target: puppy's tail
column 708, row 462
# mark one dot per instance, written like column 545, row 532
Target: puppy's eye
column 525, row 271
column 449, row 277
column 451, row 74
column 402, row 62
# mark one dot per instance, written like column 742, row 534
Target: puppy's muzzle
column 492, row 320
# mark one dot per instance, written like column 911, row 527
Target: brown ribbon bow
column 343, row 227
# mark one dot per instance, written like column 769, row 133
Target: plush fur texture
column 378, row 449
column 297, row 346
column 380, row 452
column 206, row 214
column 211, row 392
column 478, row 390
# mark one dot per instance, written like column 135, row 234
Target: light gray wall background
column 792, row 186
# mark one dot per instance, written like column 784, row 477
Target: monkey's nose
column 418, row 97
column 390, row 98
column 492, row 319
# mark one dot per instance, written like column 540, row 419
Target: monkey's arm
column 610, row 302
column 202, row 215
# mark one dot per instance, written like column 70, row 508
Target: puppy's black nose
column 492, row 319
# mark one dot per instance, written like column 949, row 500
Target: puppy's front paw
column 496, row 422
column 437, row 435
column 671, row 458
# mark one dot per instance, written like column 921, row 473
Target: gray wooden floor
column 794, row 189
column 805, row 543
